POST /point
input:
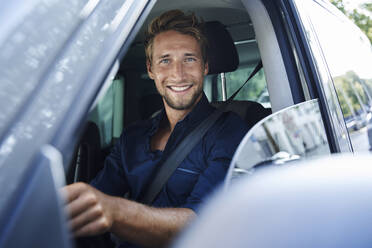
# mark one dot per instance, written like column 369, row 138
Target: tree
column 363, row 21
column 340, row 5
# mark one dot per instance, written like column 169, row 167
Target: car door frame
column 306, row 67
column 51, row 152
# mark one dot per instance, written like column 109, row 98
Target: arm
column 93, row 212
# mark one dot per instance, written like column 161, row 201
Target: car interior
column 240, row 35
column 258, row 38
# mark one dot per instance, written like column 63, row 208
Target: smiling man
column 176, row 61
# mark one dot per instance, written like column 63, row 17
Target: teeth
column 179, row 88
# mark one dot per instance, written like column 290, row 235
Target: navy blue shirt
column 132, row 164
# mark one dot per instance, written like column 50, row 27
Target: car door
column 312, row 72
column 331, row 58
column 55, row 56
column 332, row 80
column 343, row 57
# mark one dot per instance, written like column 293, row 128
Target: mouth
column 179, row 88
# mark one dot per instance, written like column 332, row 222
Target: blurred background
column 360, row 11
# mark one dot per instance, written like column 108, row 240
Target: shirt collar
column 201, row 110
column 155, row 122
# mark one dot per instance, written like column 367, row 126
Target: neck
column 174, row 115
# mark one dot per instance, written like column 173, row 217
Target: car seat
column 222, row 58
column 88, row 158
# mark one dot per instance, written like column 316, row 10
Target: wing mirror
column 294, row 133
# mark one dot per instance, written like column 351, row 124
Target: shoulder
column 138, row 125
column 227, row 132
column 137, row 129
column 231, row 123
column 224, row 137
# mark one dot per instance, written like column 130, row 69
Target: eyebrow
column 163, row 56
column 190, row 54
column 168, row 55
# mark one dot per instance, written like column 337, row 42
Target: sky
column 353, row 4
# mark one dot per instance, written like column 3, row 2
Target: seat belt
column 178, row 155
column 185, row 147
column 253, row 73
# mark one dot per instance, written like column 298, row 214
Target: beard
column 184, row 104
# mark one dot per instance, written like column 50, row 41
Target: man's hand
column 91, row 211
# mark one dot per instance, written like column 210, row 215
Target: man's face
column 178, row 69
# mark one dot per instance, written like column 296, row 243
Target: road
column 359, row 139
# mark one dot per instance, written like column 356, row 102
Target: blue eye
column 164, row 61
column 190, row 59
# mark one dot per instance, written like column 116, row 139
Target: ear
column 206, row 68
column 149, row 70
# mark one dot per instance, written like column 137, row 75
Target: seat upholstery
column 222, row 54
column 222, row 58
column 88, row 159
column 251, row 112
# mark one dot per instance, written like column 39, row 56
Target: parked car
column 73, row 75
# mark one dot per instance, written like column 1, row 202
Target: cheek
column 198, row 75
column 159, row 82
column 159, row 74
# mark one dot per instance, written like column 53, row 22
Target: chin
column 180, row 105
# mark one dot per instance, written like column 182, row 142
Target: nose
column 178, row 71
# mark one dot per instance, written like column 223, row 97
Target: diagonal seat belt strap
column 177, row 156
column 185, row 147
column 254, row 72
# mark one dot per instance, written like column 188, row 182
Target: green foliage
column 340, row 5
column 363, row 21
column 353, row 93
column 367, row 6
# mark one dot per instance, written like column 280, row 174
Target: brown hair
column 178, row 21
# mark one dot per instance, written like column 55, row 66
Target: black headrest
column 221, row 52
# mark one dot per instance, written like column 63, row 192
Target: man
column 176, row 61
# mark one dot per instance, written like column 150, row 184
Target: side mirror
column 294, row 133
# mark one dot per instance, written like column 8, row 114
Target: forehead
column 173, row 42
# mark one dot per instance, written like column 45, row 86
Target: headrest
column 221, row 52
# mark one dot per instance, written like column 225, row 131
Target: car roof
column 230, row 13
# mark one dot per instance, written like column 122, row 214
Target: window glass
column 107, row 114
column 348, row 54
column 254, row 90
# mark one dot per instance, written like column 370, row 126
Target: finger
column 72, row 191
column 81, row 204
column 86, row 217
column 93, row 228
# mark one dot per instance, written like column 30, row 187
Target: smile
column 179, row 88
